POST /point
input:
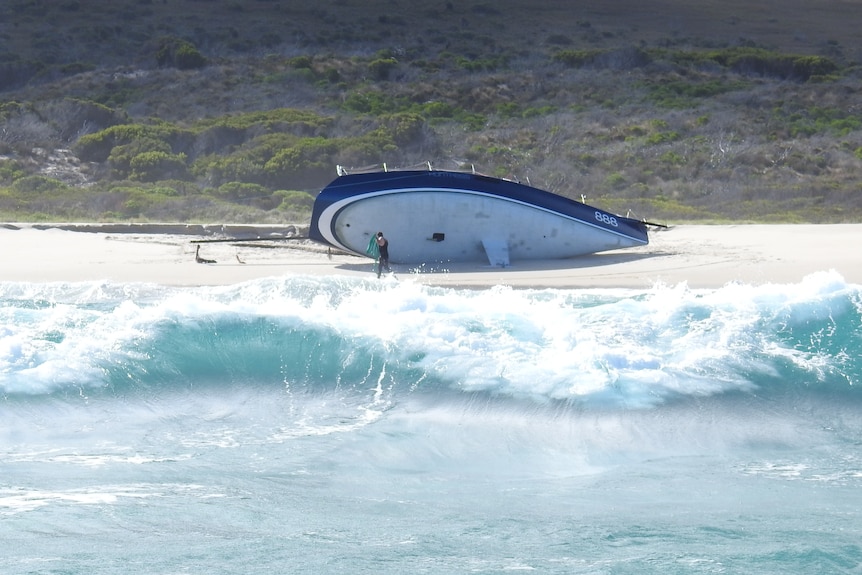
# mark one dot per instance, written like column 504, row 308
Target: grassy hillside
column 217, row 110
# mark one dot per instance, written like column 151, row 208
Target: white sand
column 699, row 255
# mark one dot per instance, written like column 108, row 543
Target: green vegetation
column 179, row 53
column 817, row 120
column 751, row 61
column 689, row 93
column 240, row 111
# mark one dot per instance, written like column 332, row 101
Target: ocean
column 358, row 426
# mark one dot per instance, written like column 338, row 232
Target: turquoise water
column 333, row 425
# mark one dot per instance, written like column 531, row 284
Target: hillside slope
column 216, row 110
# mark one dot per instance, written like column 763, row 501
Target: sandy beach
column 702, row 256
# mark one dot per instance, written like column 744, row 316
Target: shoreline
column 701, row 256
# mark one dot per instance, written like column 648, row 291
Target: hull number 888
column 606, row 219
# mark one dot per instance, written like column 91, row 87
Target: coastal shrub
column 670, row 93
column 121, row 156
column 755, row 61
column 38, row 185
column 657, row 138
column 257, row 150
column 486, row 64
column 294, row 201
column 438, row 110
column 241, row 191
column 97, row 147
column 300, row 62
column 507, row 109
column 12, row 108
column 535, row 112
column 576, row 58
column 171, row 187
column 817, row 120
column 473, row 122
column 245, row 163
column 672, row 158
column 118, row 93
column 752, row 61
column 615, row 181
column 10, row 170
column 371, row 102
column 378, row 103
column 405, row 129
column 216, row 170
column 301, row 122
column 306, row 163
column 373, row 148
column 178, row 53
column 158, row 165
column 330, row 75
column 136, row 203
column 626, row 58
column 381, row 68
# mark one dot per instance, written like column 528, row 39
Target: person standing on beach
column 383, row 260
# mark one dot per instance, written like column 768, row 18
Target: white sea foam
column 633, row 347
